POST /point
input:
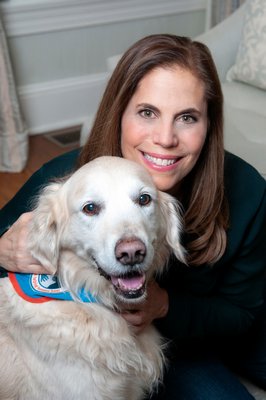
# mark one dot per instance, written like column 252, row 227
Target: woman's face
column 164, row 125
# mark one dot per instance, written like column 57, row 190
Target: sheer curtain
column 13, row 131
column 218, row 10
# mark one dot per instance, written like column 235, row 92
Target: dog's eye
column 91, row 209
column 144, row 199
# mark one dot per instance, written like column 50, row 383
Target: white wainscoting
column 61, row 104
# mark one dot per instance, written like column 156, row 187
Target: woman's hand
column 155, row 306
column 14, row 255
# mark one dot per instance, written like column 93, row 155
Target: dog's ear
column 46, row 227
column 171, row 212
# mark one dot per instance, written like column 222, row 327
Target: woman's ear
column 46, row 227
column 171, row 211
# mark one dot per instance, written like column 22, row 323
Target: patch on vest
column 42, row 288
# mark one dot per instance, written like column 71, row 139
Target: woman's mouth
column 160, row 162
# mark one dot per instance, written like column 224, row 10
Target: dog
column 105, row 231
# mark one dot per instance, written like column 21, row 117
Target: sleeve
column 23, row 201
column 223, row 299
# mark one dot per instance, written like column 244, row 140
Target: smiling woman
column 186, row 81
column 163, row 109
column 164, row 125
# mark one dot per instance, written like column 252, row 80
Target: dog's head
column 110, row 214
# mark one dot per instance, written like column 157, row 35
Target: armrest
column 112, row 61
column 223, row 40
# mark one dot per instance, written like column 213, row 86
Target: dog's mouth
column 129, row 286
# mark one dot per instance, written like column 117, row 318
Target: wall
column 59, row 49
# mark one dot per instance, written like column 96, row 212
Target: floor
column 41, row 150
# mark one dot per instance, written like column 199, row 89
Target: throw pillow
column 250, row 65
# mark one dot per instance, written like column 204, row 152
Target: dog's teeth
column 128, row 283
column 133, row 283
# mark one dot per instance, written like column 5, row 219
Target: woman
column 163, row 109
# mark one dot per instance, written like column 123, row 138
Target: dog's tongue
column 129, row 283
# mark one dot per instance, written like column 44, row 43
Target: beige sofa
column 244, row 103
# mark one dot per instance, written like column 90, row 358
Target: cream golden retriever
column 105, row 230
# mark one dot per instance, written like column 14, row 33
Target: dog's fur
column 103, row 222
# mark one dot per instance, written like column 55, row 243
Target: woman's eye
column 144, row 199
column 188, row 119
column 91, row 209
column 147, row 113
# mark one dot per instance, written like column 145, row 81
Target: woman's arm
column 15, row 216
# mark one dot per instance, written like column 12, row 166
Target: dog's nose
column 130, row 251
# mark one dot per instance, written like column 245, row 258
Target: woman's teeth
column 159, row 161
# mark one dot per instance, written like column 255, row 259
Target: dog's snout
column 130, row 251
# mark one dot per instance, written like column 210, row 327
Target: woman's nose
column 165, row 135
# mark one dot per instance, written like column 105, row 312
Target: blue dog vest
column 42, row 288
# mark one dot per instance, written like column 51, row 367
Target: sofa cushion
column 245, row 122
column 247, row 107
column 250, row 65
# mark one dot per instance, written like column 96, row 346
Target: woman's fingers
column 14, row 253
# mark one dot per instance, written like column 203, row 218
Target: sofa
column 238, row 46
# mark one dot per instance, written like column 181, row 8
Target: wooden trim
column 25, row 17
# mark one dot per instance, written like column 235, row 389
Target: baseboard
column 62, row 103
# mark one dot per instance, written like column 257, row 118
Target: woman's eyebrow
column 149, row 106
column 190, row 110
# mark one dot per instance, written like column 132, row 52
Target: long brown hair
column 206, row 211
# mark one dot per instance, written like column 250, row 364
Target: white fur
column 67, row 350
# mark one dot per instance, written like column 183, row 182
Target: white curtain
column 13, row 131
column 218, row 10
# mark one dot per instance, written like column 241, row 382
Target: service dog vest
column 41, row 288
